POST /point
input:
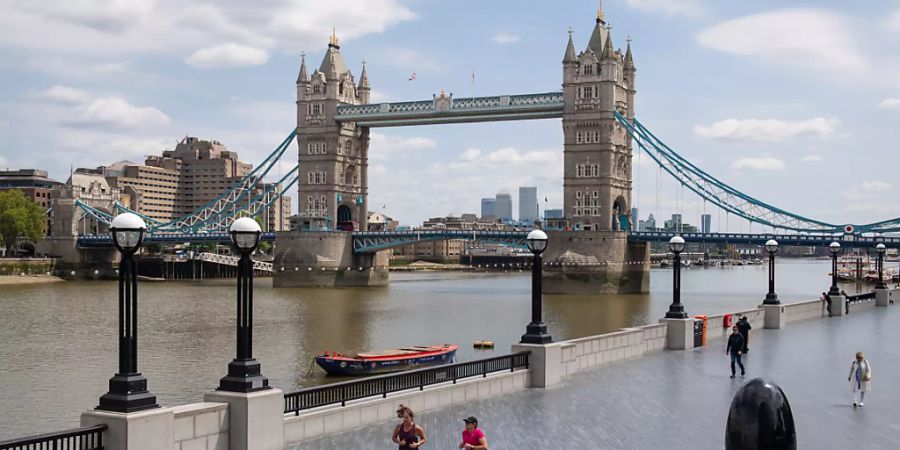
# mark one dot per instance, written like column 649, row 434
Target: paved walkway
column 680, row 400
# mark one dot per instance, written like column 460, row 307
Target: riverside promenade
column 680, row 399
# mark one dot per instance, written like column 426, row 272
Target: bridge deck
column 680, row 400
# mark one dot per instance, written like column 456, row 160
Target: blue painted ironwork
column 454, row 110
column 220, row 237
column 373, row 241
column 730, row 199
column 819, row 240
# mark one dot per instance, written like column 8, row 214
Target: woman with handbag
column 860, row 379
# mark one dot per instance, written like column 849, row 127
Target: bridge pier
column 595, row 262
column 325, row 259
column 76, row 263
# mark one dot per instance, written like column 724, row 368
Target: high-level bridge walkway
column 680, row 400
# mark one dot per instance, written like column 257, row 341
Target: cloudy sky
column 796, row 103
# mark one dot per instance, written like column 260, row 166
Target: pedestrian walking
column 408, row 435
column 472, row 437
column 744, row 328
column 734, row 347
column 860, row 379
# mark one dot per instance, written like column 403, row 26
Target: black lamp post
column 536, row 331
column 834, row 248
column 244, row 373
column 771, row 296
column 880, row 249
column 676, row 309
column 127, row 388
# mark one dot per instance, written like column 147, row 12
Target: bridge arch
column 620, row 214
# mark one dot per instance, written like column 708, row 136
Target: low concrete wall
column 201, row 426
column 333, row 419
column 812, row 309
column 582, row 353
column 862, row 306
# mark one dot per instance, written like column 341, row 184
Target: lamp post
column 536, row 331
column 676, row 309
column 127, row 388
column 771, row 296
column 244, row 373
column 834, row 248
column 880, row 249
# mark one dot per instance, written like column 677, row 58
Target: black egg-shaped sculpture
column 760, row 418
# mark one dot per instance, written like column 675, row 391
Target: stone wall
column 201, row 426
column 812, row 309
column 325, row 259
column 582, row 353
column 318, row 422
column 595, row 262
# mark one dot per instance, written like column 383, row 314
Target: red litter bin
column 726, row 321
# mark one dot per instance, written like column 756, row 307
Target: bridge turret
column 302, row 79
column 629, row 78
column 364, row 89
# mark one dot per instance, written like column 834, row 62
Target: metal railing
column 860, row 297
column 88, row 438
column 295, row 402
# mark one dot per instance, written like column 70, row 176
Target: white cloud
column 507, row 157
column 470, row 154
column 684, row 8
column 805, row 37
column 117, row 113
column 376, row 96
column 866, row 190
column 767, row 129
column 811, row 158
column 893, row 22
column 227, row 55
column 384, row 147
column 889, row 103
column 64, row 94
column 770, row 164
column 505, row 38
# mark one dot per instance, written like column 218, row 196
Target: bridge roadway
column 371, row 241
column 680, row 400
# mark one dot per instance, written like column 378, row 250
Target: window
column 596, row 91
column 588, row 69
column 597, row 137
column 595, row 194
column 577, row 194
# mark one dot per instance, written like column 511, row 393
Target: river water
column 58, row 340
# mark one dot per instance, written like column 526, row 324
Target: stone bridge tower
column 597, row 152
column 333, row 184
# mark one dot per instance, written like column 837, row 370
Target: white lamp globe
column 245, row 234
column 880, row 248
column 771, row 246
column 127, row 231
column 676, row 244
column 537, row 241
column 834, row 247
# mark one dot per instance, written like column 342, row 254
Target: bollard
column 760, row 418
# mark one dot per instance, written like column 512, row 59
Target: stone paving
column 680, row 400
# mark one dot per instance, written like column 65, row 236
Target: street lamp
column 771, row 296
column 244, row 373
column 536, row 331
column 676, row 309
column 834, row 248
column 127, row 388
column 880, row 249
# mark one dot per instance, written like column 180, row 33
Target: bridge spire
column 629, row 61
column 600, row 13
column 364, row 89
column 569, row 58
column 303, row 77
column 608, row 49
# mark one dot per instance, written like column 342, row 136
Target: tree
column 19, row 217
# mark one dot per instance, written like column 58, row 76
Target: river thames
column 58, row 340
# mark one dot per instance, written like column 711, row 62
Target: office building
column 553, row 213
column 33, row 183
column 528, row 204
column 706, row 223
column 488, row 208
column 503, row 207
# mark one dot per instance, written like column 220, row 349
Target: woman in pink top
column 472, row 437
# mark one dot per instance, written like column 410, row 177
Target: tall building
column 33, row 183
column 635, row 222
column 650, row 223
column 553, row 214
column 676, row 221
column 334, row 164
column 706, row 223
column 503, row 207
column 528, row 204
column 597, row 152
column 489, row 208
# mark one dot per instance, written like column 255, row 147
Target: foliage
column 20, row 217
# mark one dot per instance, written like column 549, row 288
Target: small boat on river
column 387, row 361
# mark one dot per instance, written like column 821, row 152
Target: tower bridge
column 600, row 131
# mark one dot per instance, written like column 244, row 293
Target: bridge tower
column 597, row 150
column 333, row 184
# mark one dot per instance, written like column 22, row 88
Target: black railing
column 382, row 385
column 88, row 438
column 860, row 297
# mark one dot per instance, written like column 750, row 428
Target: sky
column 796, row 103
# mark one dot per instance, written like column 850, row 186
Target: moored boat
column 387, row 361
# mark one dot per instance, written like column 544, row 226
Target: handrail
column 382, row 385
column 87, row 438
column 860, row 297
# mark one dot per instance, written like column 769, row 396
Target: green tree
column 19, row 217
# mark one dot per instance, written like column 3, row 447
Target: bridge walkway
column 680, row 400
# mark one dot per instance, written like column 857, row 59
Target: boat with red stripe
column 387, row 361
